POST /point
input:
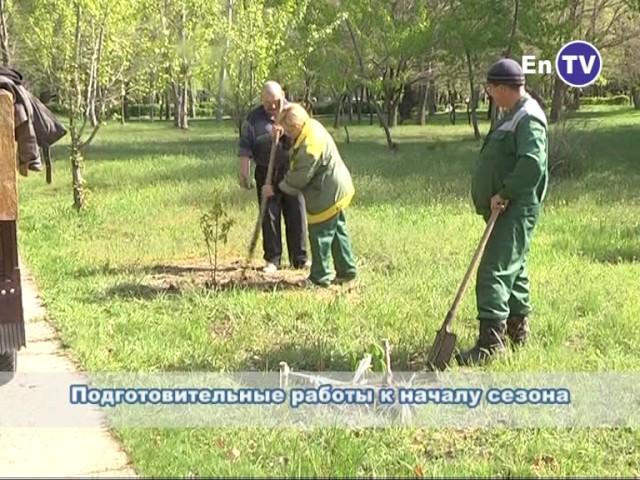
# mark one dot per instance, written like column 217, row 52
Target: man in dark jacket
column 255, row 144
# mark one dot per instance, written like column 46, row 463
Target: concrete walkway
column 53, row 451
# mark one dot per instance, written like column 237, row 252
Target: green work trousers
column 330, row 239
column 502, row 287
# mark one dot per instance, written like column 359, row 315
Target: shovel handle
column 264, row 200
column 474, row 263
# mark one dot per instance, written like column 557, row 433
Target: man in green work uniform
column 318, row 171
column 512, row 177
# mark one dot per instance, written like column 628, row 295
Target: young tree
column 81, row 47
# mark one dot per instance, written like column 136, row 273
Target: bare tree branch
column 514, row 27
column 89, row 139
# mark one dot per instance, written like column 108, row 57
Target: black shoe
column 491, row 341
column 301, row 264
column 518, row 329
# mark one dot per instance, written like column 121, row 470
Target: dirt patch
column 181, row 277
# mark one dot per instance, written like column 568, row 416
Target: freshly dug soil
column 182, row 277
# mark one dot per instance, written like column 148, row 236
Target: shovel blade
column 442, row 350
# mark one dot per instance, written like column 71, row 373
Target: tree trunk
column 424, row 99
column 75, row 112
column 559, row 88
column 123, row 103
column 393, row 114
column 432, row 99
column 167, row 105
column 307, row 102
column 336, row 118
column 392, row 146
column 346, row 131
column 4, row 35
column 176, row 105
column 223, row 66
column 370, row 110
column 635, row 95
column 76, row 175
column 474, row 96
column 359, row 100
column 350, row 103
column 95, row 87
column 183, row 121
column 451, row 101
column 221, row 79
column 193, row 100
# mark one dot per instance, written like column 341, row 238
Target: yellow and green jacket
column 318, row 171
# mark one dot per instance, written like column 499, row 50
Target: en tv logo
column 578, row 64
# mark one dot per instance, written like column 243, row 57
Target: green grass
column 413, row 230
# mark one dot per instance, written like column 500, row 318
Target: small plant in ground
column 215, row 224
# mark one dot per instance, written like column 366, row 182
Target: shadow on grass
column 133, row 151
column 615, row 112
column 608, row 244
column 138, row 291
column 613, row 256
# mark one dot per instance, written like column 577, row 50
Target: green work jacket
column 513, row 160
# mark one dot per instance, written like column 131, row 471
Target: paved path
column 53, row 451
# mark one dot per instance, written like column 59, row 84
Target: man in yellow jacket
column 317, row 170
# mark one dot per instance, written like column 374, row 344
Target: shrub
column 567, row 148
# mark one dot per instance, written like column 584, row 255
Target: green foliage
column 256, row 37
column 52, row 59
column 215, row 224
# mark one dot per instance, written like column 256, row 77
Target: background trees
column 396, row 61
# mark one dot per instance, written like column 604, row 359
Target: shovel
column 263, row 200
column 445, row 343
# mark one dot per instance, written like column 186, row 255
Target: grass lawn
column 414, row 232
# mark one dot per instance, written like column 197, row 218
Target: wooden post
column 12, row 335
column 8, row 192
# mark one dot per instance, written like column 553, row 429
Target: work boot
column 518, row 329
column 490, row 341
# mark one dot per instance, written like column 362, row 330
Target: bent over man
column 318, row 171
